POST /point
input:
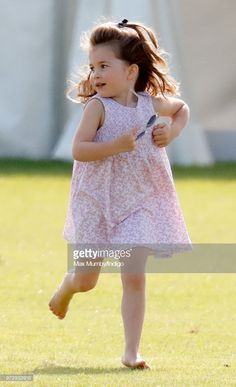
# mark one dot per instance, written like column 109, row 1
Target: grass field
column 189, row 334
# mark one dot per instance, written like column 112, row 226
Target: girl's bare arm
column 85, row 149
column 174, row 108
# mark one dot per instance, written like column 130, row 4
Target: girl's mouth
column 99, row 85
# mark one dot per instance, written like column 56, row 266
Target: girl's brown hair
column 133, row 43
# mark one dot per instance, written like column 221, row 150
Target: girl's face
column 110, row 76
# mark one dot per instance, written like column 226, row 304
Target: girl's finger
column 158, row 138
column 159, row 143
column 160, row 126
column 155, row 131
column 157, row 128
column 156, row 134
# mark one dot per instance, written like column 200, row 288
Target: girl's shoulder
column 146, row 100
column 146, row 97
column 95, row 107
column 167, row 105
column 103, row 100
column 94, row 98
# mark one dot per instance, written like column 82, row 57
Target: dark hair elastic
column 123, row 23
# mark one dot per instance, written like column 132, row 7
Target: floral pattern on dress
column 129, row 198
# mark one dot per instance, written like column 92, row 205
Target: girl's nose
column 96, row 74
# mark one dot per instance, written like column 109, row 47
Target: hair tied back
column 123, row 23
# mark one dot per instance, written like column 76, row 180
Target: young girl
column 122, row 188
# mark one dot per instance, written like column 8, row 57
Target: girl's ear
column 133, row 71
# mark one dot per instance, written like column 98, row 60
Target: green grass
column 189, row 330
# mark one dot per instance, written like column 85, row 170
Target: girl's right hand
column 127, row 142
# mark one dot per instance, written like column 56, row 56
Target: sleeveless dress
column 129, row 198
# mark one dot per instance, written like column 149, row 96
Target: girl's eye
column 103, row 66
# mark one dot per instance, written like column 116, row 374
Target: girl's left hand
column 162, row 134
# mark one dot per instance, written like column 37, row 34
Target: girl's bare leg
column 133, row 309
column 71, row 284
column 61, row 298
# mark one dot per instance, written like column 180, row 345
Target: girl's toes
column 145, row 365
column 141, row 364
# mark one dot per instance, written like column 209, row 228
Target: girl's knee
column 135, row 281
column 83, row 283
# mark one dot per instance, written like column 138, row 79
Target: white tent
column 40, row 50
column 26, row 93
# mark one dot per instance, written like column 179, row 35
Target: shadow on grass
column 59, row 370
column 218, row 171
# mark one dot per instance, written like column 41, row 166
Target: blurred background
column 40, row 49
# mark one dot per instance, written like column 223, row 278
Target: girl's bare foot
column 61, row 299
column 135, row 362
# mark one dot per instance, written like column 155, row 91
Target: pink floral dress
column 129, row 198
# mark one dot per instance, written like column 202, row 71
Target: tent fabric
column 40, row 50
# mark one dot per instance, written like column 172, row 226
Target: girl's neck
column 129, row 99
